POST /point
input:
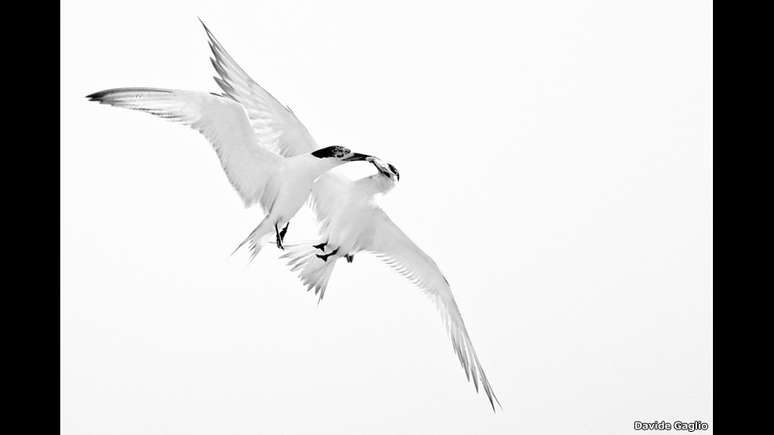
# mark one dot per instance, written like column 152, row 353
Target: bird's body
column 349, row 217
column 300, row 172
column 349, row 226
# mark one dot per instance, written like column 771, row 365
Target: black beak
column 395, row 171
column 356, row 157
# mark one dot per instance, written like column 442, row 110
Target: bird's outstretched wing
column 391, row 245
column 221, row 120
column 275, row 125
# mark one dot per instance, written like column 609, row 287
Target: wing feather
column 392, row 246
column 248, row 166
column 275, row 125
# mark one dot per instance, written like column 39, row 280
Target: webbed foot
column 279, row 238
column 282, row 233
column 324, row 257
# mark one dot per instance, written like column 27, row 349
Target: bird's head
column 385, row 169
column 340, row 153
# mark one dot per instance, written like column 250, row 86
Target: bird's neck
column 374, row 185
column 313, row 166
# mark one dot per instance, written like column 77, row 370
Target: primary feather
column 224, row 123
column 391, row 245
column 280, row 129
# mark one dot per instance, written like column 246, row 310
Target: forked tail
column 312, row 270
column 254, row 239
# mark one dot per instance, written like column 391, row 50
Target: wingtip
column 107, row 95
column 492, row 399
column 207, row 29
column 96, row 96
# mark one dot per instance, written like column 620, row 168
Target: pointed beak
column 357, row 157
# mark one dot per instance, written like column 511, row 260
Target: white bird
column 279, row 184
column 351, row 221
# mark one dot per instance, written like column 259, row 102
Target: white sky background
column 555, row 160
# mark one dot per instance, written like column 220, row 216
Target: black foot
column 279, row 239
column 349, row 258
column 324, row 257
column 321, row 246
column 282, row 233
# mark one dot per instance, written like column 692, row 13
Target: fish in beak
column 357, row 157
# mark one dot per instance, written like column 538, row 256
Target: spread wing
column 276, row 126
column 395, row 248
column 222, row 121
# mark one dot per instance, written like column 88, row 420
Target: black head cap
column 335, row 151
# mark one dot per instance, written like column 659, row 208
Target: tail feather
column 313, row 272
column 254, row 239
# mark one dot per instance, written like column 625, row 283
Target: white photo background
column 555, row 160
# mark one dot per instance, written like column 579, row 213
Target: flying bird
column 281, row 185
column 351, row 221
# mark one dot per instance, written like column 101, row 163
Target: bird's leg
column 282, row 233
column 279, row 239
column 324, row 257
column 349, row 258
column 320, row 246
